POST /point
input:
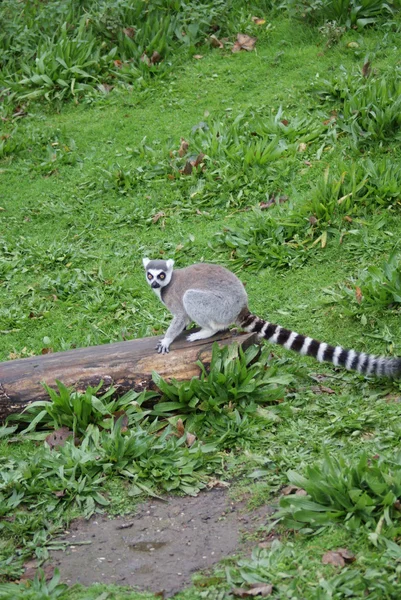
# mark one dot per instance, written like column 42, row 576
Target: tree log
column 123, row 365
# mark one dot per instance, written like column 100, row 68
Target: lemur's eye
column 162, row 276
column 150, row 276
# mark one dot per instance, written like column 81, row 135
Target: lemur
column 214, row 298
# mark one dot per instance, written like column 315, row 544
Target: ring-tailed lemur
column 214, row 298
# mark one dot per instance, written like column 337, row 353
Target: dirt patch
column 160, row 546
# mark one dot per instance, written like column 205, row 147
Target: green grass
column 90, row 185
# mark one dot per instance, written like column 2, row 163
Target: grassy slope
column 60, row 223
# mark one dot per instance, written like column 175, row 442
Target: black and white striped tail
column 367, row 364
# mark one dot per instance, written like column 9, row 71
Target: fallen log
column 123, row 365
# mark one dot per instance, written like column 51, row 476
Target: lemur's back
column 203, row 277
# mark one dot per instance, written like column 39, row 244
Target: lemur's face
column 158, row 272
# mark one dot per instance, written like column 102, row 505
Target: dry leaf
column 289, row 489
column 183, row 148
column 322, row 389
column 191, row 438
column 155, row 58
column 59, row 494
column 312, row 220
column 197, row 56
column 46, row 350
column 124, row 420
column 31, row 567
column 358, row 294
column 158, row 216
column 145, row 59
column 217, row 483
column 198, row 160
column 348, row 556
column 333, row 558
column 187, row 170
column 256, row 589
column 366, row 69
column 258, row 21
column 348, row 219
column 215, row 42
column 59, row 437
column 273, row 201
column 338, row 558
column 180, row 427
column 129, row 32
column 302, row 147
column 244, row 42
column 118, row 63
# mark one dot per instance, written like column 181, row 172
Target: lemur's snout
column 155, row 285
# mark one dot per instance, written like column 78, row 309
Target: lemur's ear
column 170, row 263
column 145, row 262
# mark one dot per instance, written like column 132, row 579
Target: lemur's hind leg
column 202, row 334
column 208, row 311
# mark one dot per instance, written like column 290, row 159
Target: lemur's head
column 158, row 272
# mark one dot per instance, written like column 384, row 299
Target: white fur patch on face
column 162, row 282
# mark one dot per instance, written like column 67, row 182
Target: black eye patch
column 162, row 276
column 150, row 276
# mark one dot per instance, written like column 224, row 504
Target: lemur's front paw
column 163, row 347
column 192, row 337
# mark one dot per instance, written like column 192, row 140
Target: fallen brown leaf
column 216, row 43
column 155, row 58
column 244, row 42
column 198, row 56
column 256, row 589
column 273, row 201
column 183, row 148
column 105, row 87
column 358, row 294
column 187, row 170
column 180, row 427
column 258, row 21
column 158, row 216
column 129, row 32
column 366, row 69
column 59, row 437
column 124, row 420
column 347, row 555
column 217, row 483
column 31, row 567
column 289, row 489
column 322, row 389
column 302, row 147
column 145, row 59
column 333, row 558
column 191, row 438
column 338, row 558
column 46, row 350
column 198, row 160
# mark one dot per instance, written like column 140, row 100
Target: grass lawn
column 93, row 181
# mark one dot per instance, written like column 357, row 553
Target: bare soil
column 160, row 546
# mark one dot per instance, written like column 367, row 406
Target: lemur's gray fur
column 214, row 298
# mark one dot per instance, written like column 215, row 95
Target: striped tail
column 368, row 364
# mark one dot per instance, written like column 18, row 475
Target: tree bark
column 123, row 365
